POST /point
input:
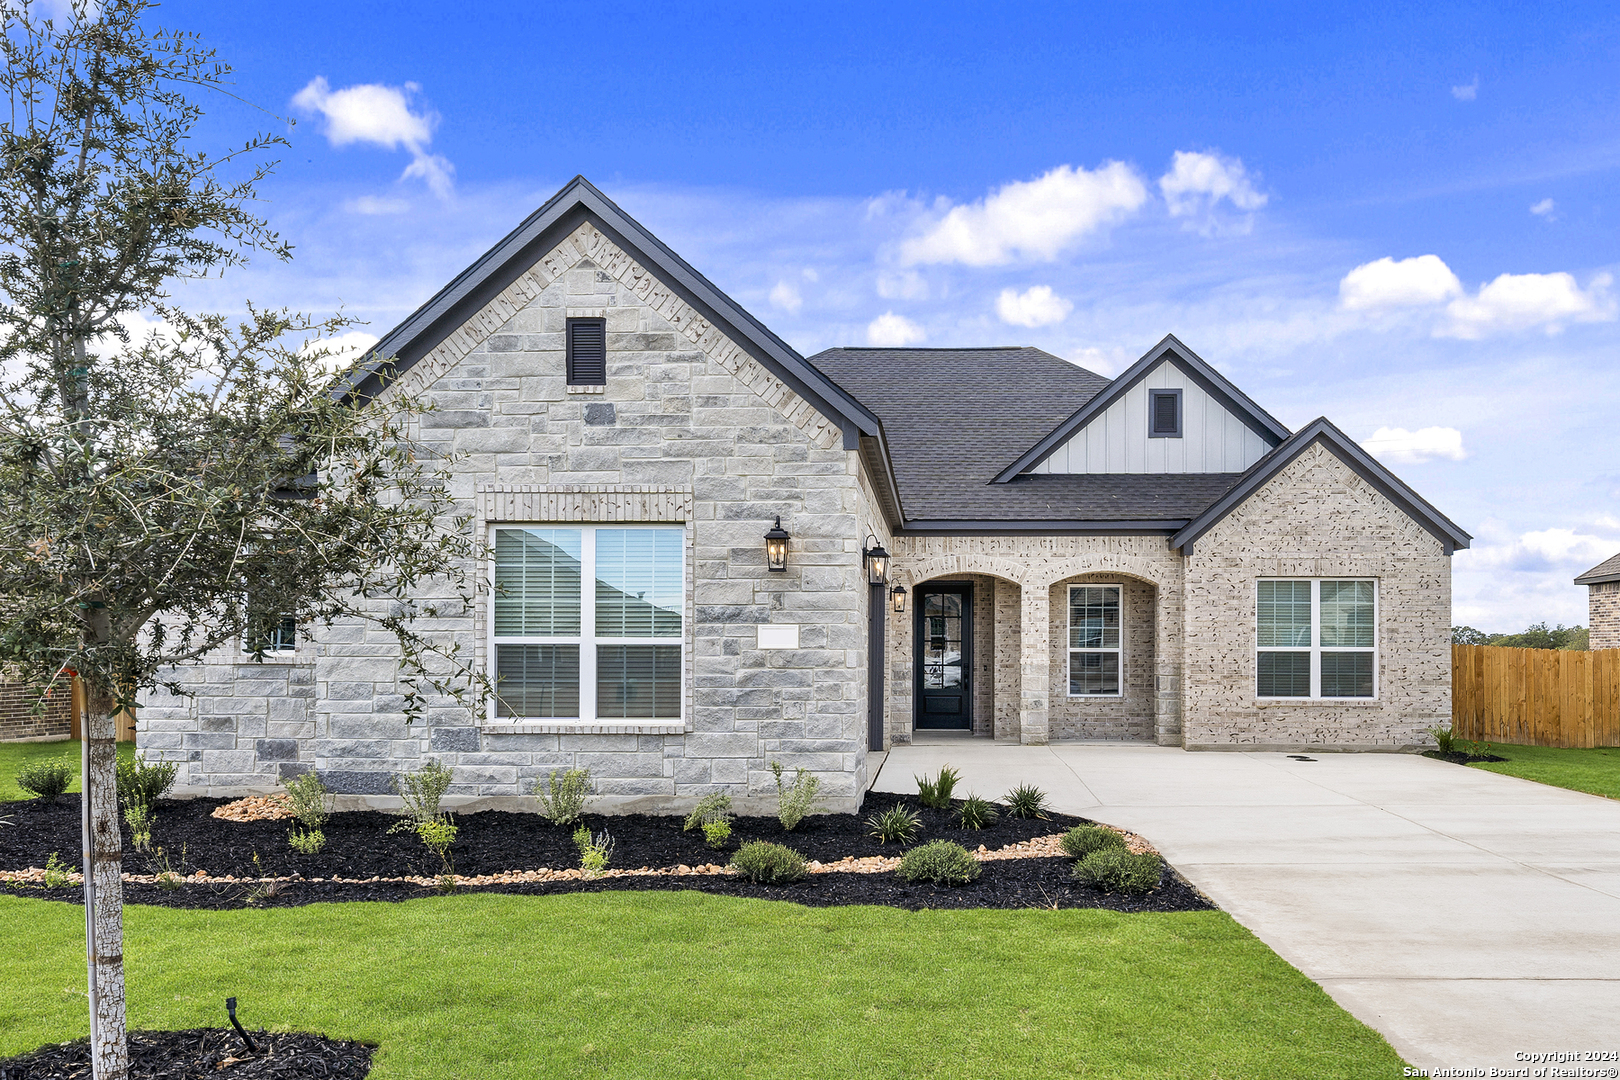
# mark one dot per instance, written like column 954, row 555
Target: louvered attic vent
column 1164, row 414
column 587, row 352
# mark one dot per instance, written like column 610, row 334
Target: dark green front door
column 944, row 664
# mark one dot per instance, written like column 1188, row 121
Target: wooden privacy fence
column 1535, row 697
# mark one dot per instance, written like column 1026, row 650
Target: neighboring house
column 1603, row 604
column 1151, row 558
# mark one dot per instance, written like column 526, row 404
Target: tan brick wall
column 1317, row 519
column 1128, row 717
column 20, row 717
column 1603, row 603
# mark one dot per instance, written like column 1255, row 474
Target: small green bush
column 438, row 834
column 421, row 791
column 595, row 852
column 141, row 783
column 794, row 800
column 1082, row 840
column 976, row 813
column 902, row 824
column 56, row 872
column 308, row 842
column 309, row 803
column 1116, row 870
column 765, row 863
column 1026, row 801
column 564, row 800
column 140, row 826
column 46, row 779
column 710, row 810
column 939, row 861
column 936, row 793
column 1444, row 739
column 716, row 833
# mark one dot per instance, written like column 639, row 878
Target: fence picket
column 1540, row 697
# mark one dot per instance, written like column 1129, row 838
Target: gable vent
column 587, row 352
column 1164, row 419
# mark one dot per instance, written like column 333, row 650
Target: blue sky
column 1401, row 219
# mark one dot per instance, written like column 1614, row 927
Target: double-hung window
column 1094, row 640
column 588, row 622
column 1316, row 638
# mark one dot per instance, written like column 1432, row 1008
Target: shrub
column 1444, row 739
column 1117, row 870
column 56, row 872
column 595, row 852
column 438, row 834
column 765, row 863
column 716, row 833
column 421, row 791
column 139, row 818
column 308, row 842
column 1082, row 840
column 794, row 800
column 711, row 809
column 936, row 793
column 143, row 784
column 941, row 862
column 46, row 779
column 309, row 803
column 564, row 800
column 901, row 825
column 976, row 813
column 1026, row 801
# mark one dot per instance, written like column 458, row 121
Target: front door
column 944, row 656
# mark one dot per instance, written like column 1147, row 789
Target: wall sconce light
column 877, row 562
column 898, row 593
column 776, row 544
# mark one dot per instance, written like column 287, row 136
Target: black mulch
column 358, row 845
column 204, row 1052
column 1457, row 757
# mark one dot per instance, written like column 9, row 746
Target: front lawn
column 14, row 755
column 1596, row 772
column 690, row 985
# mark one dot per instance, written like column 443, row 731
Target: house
column 1603, row 604
column 712, row 553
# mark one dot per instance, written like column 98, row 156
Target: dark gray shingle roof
column 1607, row 570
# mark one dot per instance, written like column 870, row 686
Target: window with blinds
column 1094, row 640
column 588, row 622
column 587, row 352
column 1316, row 638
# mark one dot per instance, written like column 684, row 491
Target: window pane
column 1285, row 614
column 1347, row 674
column 639, row 583
column 537, row 680
column 537, row 582
column 639, row 681
column 1284, row 674
column 1094, row 673
column 1094, row 617
column 1347, row 615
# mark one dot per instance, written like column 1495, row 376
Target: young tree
column 171, row 494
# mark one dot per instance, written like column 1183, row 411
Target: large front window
column 1316, row 639
column 587, row 622
column 1094, row 642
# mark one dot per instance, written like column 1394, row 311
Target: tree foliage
column 1537, row 636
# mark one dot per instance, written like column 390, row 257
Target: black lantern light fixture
column 776, row 544
column 877, row 562
column 898, row 594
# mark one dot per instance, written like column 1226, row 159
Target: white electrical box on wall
column 778, row 636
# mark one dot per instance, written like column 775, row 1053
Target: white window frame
column 1068, row 630
column 1316, row 650
column 586, row 639
column 279, row 652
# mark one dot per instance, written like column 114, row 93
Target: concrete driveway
column 1464, row 915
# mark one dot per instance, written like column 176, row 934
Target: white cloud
column 372, row 204
column 893, row 331
column 786, row 296
column 1424, row 444
column 1198, row 182
column 1035, row 306
column 1546, row 209
column 1388, row 283
column 1030, row 219
column 1468, row 92
column 382, row 116
column 905, row 285
column 1522, row 301
column 343, row 349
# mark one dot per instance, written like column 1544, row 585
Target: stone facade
column 1603, row 604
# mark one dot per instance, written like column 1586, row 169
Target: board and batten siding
column 1213, row 440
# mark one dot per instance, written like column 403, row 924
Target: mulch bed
column 358, row 845
column 204, row 1052
column 1457, row 757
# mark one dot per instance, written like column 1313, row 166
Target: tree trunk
column 104, row 891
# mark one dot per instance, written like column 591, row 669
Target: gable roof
column 1169, row 349
column 1321, row 430
column 1604, row 572
column 578, row 202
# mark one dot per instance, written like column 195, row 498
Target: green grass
column 684, row 984
column 13, row 755
column 1596, row 772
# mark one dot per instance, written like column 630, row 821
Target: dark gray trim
column 1597, row 579
column 878, row 597
column 1153, row 404
column 1072, row 528
column 1207, row 378
column 1321, row 430
column 579, row 201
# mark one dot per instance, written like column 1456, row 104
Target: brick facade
column 1603, row 604
column 22, row 719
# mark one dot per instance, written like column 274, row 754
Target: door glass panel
column 941, row 646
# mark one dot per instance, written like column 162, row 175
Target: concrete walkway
column 1464, row 915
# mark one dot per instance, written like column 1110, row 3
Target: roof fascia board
column 887, row 477
column 1170, row 348
column 1597, row 579
column 1322, row 430
column 971, row 527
